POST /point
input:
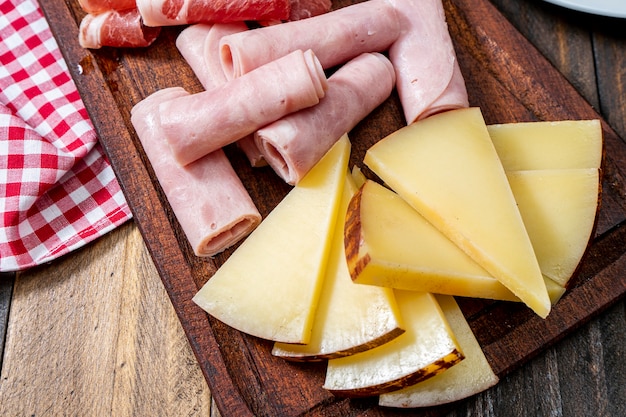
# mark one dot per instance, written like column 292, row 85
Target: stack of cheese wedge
column 502, row 212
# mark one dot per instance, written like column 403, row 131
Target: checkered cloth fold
column 57, row 189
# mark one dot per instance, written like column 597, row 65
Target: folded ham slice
column 294, row 144
column 122, row 29
column 335, row 37
column 182, row 12
column 429, row 79
column 201, row 123
column 207, row 197
column 199, row 46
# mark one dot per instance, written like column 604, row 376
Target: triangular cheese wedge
column 469, row 377
column 270, row 285
column 559, row 210
column 388, row 243
column 349, row 318
column 447, row 168
column 426, row 348
column 567, row 144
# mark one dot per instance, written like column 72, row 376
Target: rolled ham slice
column 99, row 6
column 335, row 37
column 207, row 197
column 182, row 12
column 199, row 46
column 294, row 144
column 429, row 79
column 122, row 29
column 204, row 122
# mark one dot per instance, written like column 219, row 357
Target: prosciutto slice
column 181, row 12
column 429, row 79
column 294, row 144
column 115, row 28
column 211, row 204
column 199, row 46
column 204, row 122
column 99, row 6
column 335, row 37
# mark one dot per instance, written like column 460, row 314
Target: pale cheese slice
column 349, row 318
column 388, row 243
column 469, row 377
column 559, row 210
column 567, row 144
column 269, row 287
column 447, row 168
column 426, row 348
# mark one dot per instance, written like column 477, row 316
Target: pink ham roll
column 294, row 144
column 199, row 46
column 429, row 79
column 202, row 123
column 181, row 12
column 207, row 197
column 335, row 37
column 122, row 29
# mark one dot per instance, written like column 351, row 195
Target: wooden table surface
column 94, row 333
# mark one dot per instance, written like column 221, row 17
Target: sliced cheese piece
column 469, row 377
column 564, row 144
column 426, row 348
column 270, row 285
column 349, row 318
column 390, row 244
column 559, row 210
column 555, row 291
column 446, row 167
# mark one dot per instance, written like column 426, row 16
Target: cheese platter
column 505, row 76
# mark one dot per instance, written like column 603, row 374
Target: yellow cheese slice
column 426, row 348
column 269, row 287
column 447, row 168
column 568, row 144
column 559, row 210
column 349, row 318
column 469, row 377
column 390, row 244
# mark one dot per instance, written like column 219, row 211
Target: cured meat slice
column 204, row 122
column 207, row 197
column 99, row 6
column 181, row 12
column 429, row 79
column 115, row 28
column 293, row 144
column 303, row 9
column 371, row 26
column 199, row 45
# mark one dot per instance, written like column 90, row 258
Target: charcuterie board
column 506, row 77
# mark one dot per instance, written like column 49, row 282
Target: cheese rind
column 426, row 348
column 567, row 144
column 349, row 318
column 446, row 167
column 283, row 259
column 469, row 377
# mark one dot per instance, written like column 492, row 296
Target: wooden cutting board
column 505, row 76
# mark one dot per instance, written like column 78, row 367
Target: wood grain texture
column 508, row 82
column 94, row 334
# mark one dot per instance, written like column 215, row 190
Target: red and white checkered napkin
column 57, row 189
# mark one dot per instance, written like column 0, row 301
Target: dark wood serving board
column 505, row 75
